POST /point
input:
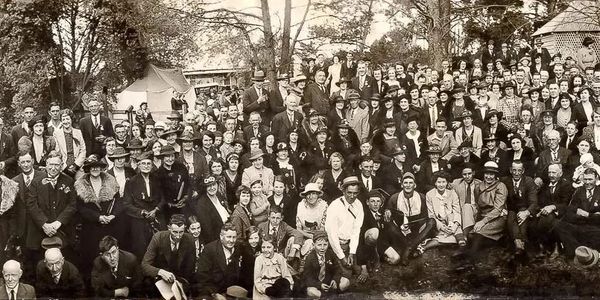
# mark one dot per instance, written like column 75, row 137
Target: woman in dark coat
column 333, row 176
column 233, row 178
column 344, row 139
column 41, row 143
column 241, row 217
column 251, row 248
column 100, row 208
column 521, row 152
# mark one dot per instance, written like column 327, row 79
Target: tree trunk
column 284, row 66
column 270, row 68
column 439, row 32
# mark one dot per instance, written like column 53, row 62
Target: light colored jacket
column 477, row 139
column 359, row 121
column 78, row 146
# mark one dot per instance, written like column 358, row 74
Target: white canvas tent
column 156, row 88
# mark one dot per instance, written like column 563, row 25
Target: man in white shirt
column 12, row 272
column 344, row 219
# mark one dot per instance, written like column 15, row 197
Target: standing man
column 256, row 98
column 23, row 129
column 50, row 205
column 317, row 95
column 358, row 117
column 363, row 83
column 55, row 122
column 541, row 51
column 348, row 67
column 285, row 121
column 95, row 129
column 13, row 289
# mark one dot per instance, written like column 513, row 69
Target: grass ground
column 433, row 276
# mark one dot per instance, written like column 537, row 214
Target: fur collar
column 108, row 190
column 10, row 189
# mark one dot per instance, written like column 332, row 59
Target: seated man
column 407, row 220
column 467, row 189
column 219, row 266
column 322, row 271
column 116, row 273
column 13, row 289
column 286, row 239
column 521, row 203
column 171, row 254
column 553, row 199
column 580, row 225
column 57, row 277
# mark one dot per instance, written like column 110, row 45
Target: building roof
column 580, row 16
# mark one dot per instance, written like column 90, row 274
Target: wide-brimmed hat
column 175, row 115
column 350, row 180
column 490, row 138
column 120, row 152
column 337, row 98
column 299, row 78
column 166, row 150
column 457, row 89
column 145, row 155
column 258, row 76
column 342, row 80
column 375, row 97
column 433, row 150
column 311, row 188
column 187, row 137
column 586, row 257
column 93, row 161
column 490, row 167
column 256, row 154
column 344, row 124
column 135, row 144
column 168, row 132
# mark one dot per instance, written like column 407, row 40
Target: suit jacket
column 381, row 88
column 281, row 126
column 318, row 99
column 128, row 274
column 487, row 57
column 79, row 146
column 21, row 204
column 460, row 187
column 209, row 218
column 69, row 286
column 426, row 123
column 369, row 88
column 25, row 291
column 560, row 198
column 333, row 269
column 425, row 174
column 136, row 198
column 18, row 132
column 90, row 132
column 348, row 72
column 523, row 198
column 282, row 234
column 359, row 121
column 249, row 133
column 250, row 101
column 572, row 144
column 545, row 159
column 160, row 256
column 579, row 200
column 200, row 167
column 46, row 204
column 447, row 144
column 214, row 274
column 505, row 57
column 545, row 56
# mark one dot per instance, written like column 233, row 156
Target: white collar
column 16, row 289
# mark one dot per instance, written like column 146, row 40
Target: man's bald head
column 11, row 272
column 11, row 265
column 53, row 254
column 54, row 260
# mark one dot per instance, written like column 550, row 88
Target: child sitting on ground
column 272, row 278
column 322, row 271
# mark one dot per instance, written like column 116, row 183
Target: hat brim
column 119, row 155
column 94, row 164
column 162, row 154
column 490, row 170
column 304, row 193
column 344, row 126
column 256, row 156
column 259, row 79
column 353, row 182
column 343, row 81
column 135, row 147
column 168, row 132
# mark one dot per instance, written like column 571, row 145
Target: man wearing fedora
column 95, row 129
column 174, row 181
column 343, row 223
column 256, row 98
column 285, row 121
column 171, row 254
column 144, row 201
column 358, row 117
column 50, row 205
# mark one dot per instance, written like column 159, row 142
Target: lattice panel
column 567, row 43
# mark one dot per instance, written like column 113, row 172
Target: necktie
column 272, row 232
column 49, row 180
column 114, row 272
column 12, row 295
column 56, row 279
column 322, row 269
column 588, row 194
column 568, row 142
column 554, row 156
column 552, row 188
column 27, row 180
column 433, row 114
column 468, row 197
column 322, row 89
column 368, row 184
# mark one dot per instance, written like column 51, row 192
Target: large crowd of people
column 306, row 189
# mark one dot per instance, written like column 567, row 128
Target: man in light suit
column 443, row 139
column 285, row 121
column 317, row 95
column 469, row 133
column 363, row 83
column 358, row 117
column 13, row 289
column 467, row 189
column 95, row 129
column 256, row 98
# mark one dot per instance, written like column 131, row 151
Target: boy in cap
column 322, row 271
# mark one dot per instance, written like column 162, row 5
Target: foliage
column 397, row 45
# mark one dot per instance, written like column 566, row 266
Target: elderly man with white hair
column 13, row 288
column 554, row 153
column 285, row 121
column 57, row 277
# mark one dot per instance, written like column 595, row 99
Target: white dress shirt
column 343, row 223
